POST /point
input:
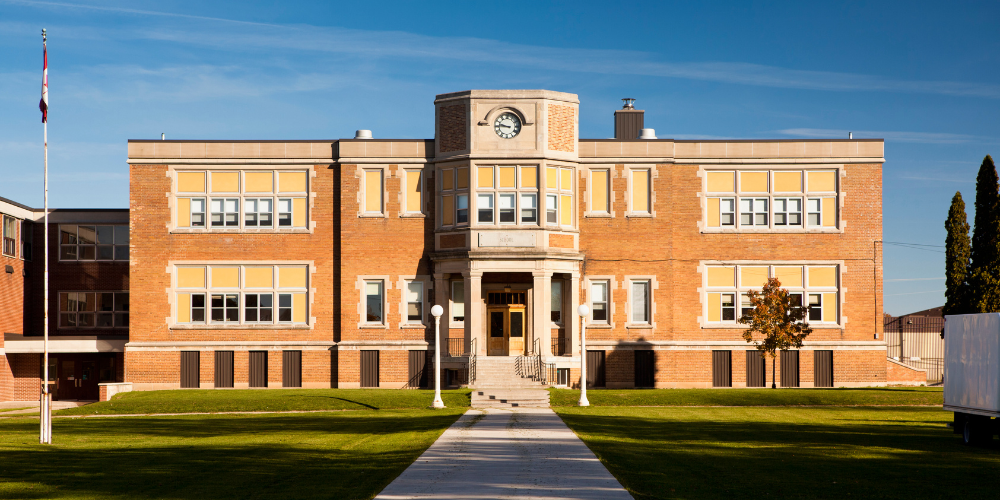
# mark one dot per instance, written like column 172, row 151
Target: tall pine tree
column 985, row 275
column 956, row 260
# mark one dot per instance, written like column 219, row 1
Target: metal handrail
column 540, row 366
column 472, row 363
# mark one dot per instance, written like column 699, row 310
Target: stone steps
column 502, row 372
column 510, row 398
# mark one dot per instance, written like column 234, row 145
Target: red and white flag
column 44, row 103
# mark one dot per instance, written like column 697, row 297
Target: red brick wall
column 671, row 247
column 452, row 127
column 562, row 125
column 897, row 373
column 619, row 368
column 27, row 376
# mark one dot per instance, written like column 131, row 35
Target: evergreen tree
column 985, row 276
column 956, row 261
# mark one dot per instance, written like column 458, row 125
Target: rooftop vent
column 363, row 134
column 647, row 133
column 628, row 120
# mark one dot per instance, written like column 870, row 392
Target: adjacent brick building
column 316, row 263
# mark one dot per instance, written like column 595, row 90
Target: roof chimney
column 628, row 120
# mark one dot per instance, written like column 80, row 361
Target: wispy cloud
column 237, row 35
column 896, row 136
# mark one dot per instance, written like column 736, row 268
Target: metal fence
column 916, row 341
column 456, row 347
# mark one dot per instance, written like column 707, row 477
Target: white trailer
column 972, row 374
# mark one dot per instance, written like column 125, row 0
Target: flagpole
column 46, row 437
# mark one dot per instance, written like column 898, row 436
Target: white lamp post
column 437, row 311
column 584, row 311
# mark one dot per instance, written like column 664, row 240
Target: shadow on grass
column 819, row 453
column 299, row 456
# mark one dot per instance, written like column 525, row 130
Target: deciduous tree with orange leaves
column 776, row 321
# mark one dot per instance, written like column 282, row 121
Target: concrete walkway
column 523, row 453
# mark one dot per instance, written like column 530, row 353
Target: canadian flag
column 44, row 103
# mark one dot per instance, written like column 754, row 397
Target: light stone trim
column 401, row 285
column 359, row 284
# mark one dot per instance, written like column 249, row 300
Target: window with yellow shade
column 414, row 192
column 506, row 195
column 226, row 200
column 639, row 192
column 812, row 286
column 241, row 295
column 771, row 199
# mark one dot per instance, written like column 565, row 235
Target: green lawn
column 747, row 452
column 212, row 400
column 342, row 455
column 893, row 396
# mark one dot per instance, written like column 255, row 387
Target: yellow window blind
column 507, row 177
column 414, row 193
column 722, row 276
column 529, row 177
column 225, row 277
column 599, row 191
column 788, row 182
column 292, row 277
column 640, row 190
column 225, row 182
column 753, row 182
column 259, row 182
column 829, row 212
column 373, row 191
column 191, row 182
column 714, row 307
column 721, row 182
column 259, row 277
column 183, row 212
column 191, row 277
column 292, row 182
column 566, row 211
column 447, row 210
column 753, row 277
column 485, row 177
column 714, row 213
column 822, row 180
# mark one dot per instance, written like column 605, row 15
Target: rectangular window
column 529, row 208
column 235, row 295
column 507, row 208
column 93, row 309
column 225, row 307
column 197, row 212
column 258, row 212
column 254, row 191
column 458, row 301
column 414, row 191
column 599, row 301
column 373, row 191
column 258, row 307
column 557, row 302
column 727, row 211
column 753, row 211
column 447, row 210
column 787, row 211
column 599, row 191
column 484, row 208
column 462, row 209
column 373, row 302
column 225, row 212
column 640, row 302
column 27, row 239
column 89, row 243
column 566, row 208
column 728, row 307
column 9, row 236
column 811, row 286
column 815, row 213
column 552, row 209
column 797, row 199
column 640, row 191
column 447, row 179
column 415, row 302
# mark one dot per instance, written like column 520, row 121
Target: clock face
column 507, row 125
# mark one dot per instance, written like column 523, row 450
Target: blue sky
column 922, row 75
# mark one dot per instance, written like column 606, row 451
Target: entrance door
column 77, row 377
column 505, row 320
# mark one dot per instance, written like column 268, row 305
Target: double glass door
column 506, row 331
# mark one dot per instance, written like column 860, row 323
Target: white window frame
column 406, row 192
column 363, row 209
column 755, row 211
column 426, row 289
column 591, row 210
column 520, row 214
column 496, row 192
column 11, row 221
column 452, row 322
column 632, row 212
column 787, row 213
column 362, row 282
column 241, row 291
column 740, row 290
column 257, row 212
column 648, row 281
column 772, row 196
column 610, row 284
column 242, row 195
column 491, row 209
